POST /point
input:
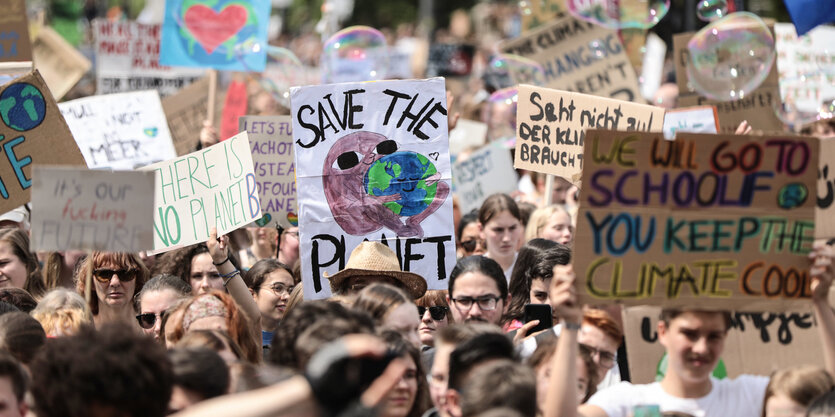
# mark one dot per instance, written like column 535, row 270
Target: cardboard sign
column 234, row 107
column 61, row 65
column 372, row 161
column 32, row 132
column 215, row 34
column 14, row 32
column 120, row 131
column 805, row 66
column 482, row 173
column 468, row 134
column 213, row 187
column 690, row 119
column 535, row 13
column 450, row 60
column 11, row 70
column 581, row 57
column 552, row 125
column 825, row 212
column 705, row 220
column 75, row 208
column 186, row 111
column 127, row 59
column 271, row 138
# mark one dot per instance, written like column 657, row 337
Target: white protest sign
column 701, row 119
column 75, row 208
column 120, row 131
column 213, row 187
column 806, row 66
column 468, row 134
column 482, row 173
column 373, row 164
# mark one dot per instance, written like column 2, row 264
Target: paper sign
column 213, row 187
column 704, row 221
column 372, row 161
column 484, row 172
column 14, row 32
column 690, row 119
column 805, row 65
column 75, row 208
column 468, row 134
column 825, row 213
column 186, row 111
column 223, row 34
column 60, row 64
column 450, row 60
column 552, row 125
column 11, row 70
column 120, row 131
column 127, row 59
column 271, row 138
column 233, row 108
column 581, row 57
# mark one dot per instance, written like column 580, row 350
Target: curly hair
column 178, row 262
column 237, row 325
column 123, row 259
column 18, row 241
column 62, row 312
column 536, row 260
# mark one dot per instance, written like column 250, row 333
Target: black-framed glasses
column 605, row 359
column 148, row 320
column 485, row 302
column 279, row 288
column 470, row 245
column 437, row 313
column 105, row 275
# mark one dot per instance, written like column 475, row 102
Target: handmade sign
column 186, row 111
column 372, row 162
column 59, row 63
column 14, row 32
column 213, row 187
column 75, row 208
column 127, row 59
column 825, row 212
column 482, row 173
column 11, row 70
column 535, row 13
column 271, row 138
column 690, row 119
column 221, row 34
column 120, row 131
column 552, row 126
column 580, row 56
column 234, row 107
column 468, row 134
column 805, row 66
column 705, row 220
column 450, row 60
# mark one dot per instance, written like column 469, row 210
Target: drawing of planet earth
column 403, row 173
column 22, row 107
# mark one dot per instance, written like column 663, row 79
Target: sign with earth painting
column 372, row 161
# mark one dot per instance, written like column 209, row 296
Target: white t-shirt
column 740, row 397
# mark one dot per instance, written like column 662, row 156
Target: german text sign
column 705, row 220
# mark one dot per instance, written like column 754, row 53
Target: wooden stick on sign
column 212, row 96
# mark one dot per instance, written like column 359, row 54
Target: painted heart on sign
column 211, row 28
column 151, row 132
column 434, row 156
column 264, row 220
column 293, row 218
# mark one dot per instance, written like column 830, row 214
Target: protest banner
column 701, row 119
column 450, row 60
column 825, row 211
column 468, row 134
column 186, row 111
column 28, row 111
column 581, row 57
column 75, row 208
column 234, row 107
column 704, row 220
column 225, row 35
column 535, row 13
column 60, row 65
column 127, row 59
column 486, row 171
column 271, row 138
column 213, row 187
column 552, row 126
column 372, row 162
column 15, row 45
column 119, row 131
column 805, row 66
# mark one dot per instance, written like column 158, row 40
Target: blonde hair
column 62, row 312
column 539, row 218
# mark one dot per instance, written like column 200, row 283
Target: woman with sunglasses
column 116, row 278
column 157, row 296
column 433, row 311
column 469, row 236
column 270, row 283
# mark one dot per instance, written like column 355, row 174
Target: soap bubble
column 796, row 115
column 500, row 114
column 710, row 10
column 730, row 57
column 356, row 53
column 624, row 14
column 281, row 72
column 507, row 70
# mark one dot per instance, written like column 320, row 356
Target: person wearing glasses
column 602, row 335
column 469, row 236
column 157, row 296
column 270, row 283
column 116, row 278
column 477, row 291
column 434, row 315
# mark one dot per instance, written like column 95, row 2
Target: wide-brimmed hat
column 375, row 258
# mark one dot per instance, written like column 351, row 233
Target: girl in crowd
column 263, row 241
column 501, row 229
column 552, row 223
column 470, row 241
column 116, row 278
column 157, row 296
column 218, row 311
column 19, row 268
column 540, row 361
column 194, row 266
column 392, row 309
column 59, row 268
column 790, row 391
column 62, row 312
column 271, row 284
column 434, row 315
column 410, row 396
column 531, row 278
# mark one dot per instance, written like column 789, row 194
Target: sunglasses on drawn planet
column 105, row 275
column 148, row 320
column 437, row 313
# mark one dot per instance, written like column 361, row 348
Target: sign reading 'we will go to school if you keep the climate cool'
column 706, row 220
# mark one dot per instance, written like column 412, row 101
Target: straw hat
column 376, row 259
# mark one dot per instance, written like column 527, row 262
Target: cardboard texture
column 486, row 171
column 701, row 119
column 705, row 220
column 825, row 210
column 186, row 111
column 76, row 208
column 805, row 66
column 60, row 65
column 581, row 57
column 15, row 45
column 32, row 132
column 552, row 125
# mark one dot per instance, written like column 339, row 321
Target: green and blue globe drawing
column 22, row 107
column 403, row 173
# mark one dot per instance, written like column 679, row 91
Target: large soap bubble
column 500, row 114
column 710, row 10
column 730, row 57
column 280, row 73
column 356, row 53
column 623, row 14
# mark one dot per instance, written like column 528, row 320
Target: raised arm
column 234, row 283
column 822, row 277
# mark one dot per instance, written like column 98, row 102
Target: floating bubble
column 622, row 14
column 795, row 115
column 710, row 10
column 281, row 72
column 356, row 53
column 730, row 57
column 506, row 70
column 500, row 114
column 525, row 8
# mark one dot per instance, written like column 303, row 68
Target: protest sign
column 552, row 126
column 535, row 13
column 28, row 111
column 60, row 65
column 213, row 187
column 271, row 138
column 75, row 208
column 127, row 59
column 468, row 134
column 234, row 107
column 704, row 220
column 581, row 57
column 225, row 35
column 11, row 70
column 805, row 65
column 372, row 161
column 119, row 131
column 15, row 45
column 186, row 111
column 825, row 212
column 486, row 171
column 690, row 119
column 450, row 60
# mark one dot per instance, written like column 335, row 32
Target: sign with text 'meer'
column 705, row 220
